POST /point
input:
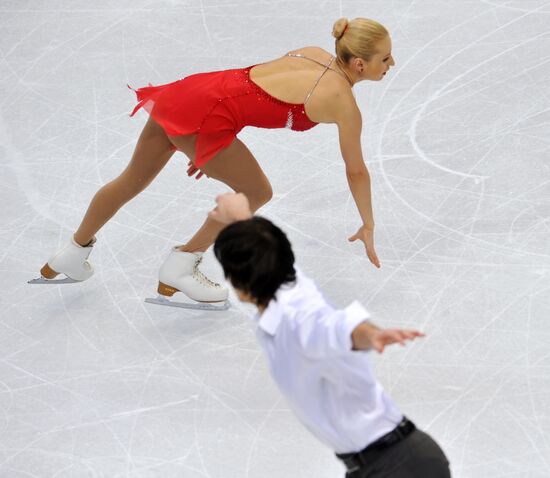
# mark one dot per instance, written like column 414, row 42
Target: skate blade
column 161, row 300
column 42, row 280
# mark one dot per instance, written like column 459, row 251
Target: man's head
column 257, row 259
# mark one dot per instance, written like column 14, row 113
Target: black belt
column 355, row 461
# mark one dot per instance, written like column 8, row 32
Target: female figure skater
column 316, row 354
column 201, row 115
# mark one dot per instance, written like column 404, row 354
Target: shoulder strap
column 326, row 66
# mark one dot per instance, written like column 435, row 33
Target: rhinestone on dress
column 289, row 120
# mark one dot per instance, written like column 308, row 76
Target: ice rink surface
column 96, row 383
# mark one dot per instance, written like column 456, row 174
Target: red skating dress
column 216, row 106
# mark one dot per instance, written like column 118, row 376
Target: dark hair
column 256, row 257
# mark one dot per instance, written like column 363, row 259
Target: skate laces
column 197, row 274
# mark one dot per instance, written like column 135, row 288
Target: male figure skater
column 318, row 356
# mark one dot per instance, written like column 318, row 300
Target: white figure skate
column 72, row 261
column 180, row 273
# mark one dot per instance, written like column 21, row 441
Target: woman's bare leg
column 234, row 166
column 152, row 152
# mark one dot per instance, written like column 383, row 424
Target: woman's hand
column 191, row 170
column 366, row 235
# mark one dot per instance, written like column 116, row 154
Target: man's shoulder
column 300, row 300
column 302, row 289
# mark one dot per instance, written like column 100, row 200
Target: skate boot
column 72, row 261
column 180, row 273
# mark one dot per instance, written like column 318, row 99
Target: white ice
column 96, row 383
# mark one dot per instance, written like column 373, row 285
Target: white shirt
column 330, row 387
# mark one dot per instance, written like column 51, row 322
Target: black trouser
column 416, row 456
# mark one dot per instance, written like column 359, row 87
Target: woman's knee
column 260, row 196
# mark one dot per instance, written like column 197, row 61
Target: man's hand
column 231, row 207
column 366, row 336
column 380, row 338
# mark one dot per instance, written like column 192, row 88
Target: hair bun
column 339, row 28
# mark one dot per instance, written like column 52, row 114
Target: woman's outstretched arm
column 349, row 123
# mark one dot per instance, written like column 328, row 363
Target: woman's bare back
column 291, row 79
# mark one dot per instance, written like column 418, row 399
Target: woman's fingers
column 366, row 236
column 191, row 170
column 372, row 256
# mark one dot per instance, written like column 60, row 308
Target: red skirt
column 193, row 106
column 216, row 106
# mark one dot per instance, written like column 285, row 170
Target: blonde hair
column 357, row 38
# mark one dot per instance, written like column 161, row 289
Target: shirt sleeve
column 327, row 332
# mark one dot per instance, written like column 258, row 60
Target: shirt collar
column 271, row 317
